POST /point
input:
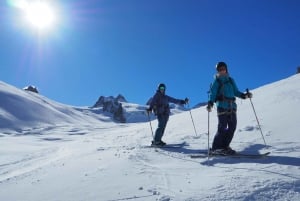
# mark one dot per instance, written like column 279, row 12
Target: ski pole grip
column 247, row 90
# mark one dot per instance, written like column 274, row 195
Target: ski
column 168, row 146
column 237, row 155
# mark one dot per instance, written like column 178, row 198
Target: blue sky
column 107, row 47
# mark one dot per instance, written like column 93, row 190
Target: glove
column 186, row 100
column 249, row 95
column 246, row 95
column 149, row 110
column 210, row 104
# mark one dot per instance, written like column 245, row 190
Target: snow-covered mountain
column 55, row 152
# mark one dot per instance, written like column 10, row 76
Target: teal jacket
column 223, row 91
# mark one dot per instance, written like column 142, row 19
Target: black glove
column 246, row 95
column 185, row 101
column 149, row 110
column 210, row 104
column 249, row 95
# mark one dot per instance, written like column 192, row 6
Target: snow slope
column 55, row 152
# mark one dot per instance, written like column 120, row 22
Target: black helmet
column 221, row 64
column 161, row 85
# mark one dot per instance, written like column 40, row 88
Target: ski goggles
column 161, row 88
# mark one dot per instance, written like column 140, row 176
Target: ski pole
column 207, row 134
column 192, row 119
column 208, row 123
column 247, row 90
column 150, row 124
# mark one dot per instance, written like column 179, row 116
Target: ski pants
column 226, row 128
column 162, row 123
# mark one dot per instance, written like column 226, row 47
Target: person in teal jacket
column 223, row 92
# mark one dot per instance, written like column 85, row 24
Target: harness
column 227, row 112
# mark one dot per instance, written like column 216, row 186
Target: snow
column 55, row 152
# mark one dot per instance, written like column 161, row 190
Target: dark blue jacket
column 160, row 103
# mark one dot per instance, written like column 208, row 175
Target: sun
column 39, row 14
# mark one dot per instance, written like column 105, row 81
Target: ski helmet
column 161, row 85
column 221, row 64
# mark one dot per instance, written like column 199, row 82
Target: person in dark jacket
column 223, row 91
column 160, row 105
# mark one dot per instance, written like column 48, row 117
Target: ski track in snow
column 165, row 181
column 30, row 163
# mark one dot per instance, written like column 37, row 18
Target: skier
column 160, row 106
column 223, row 91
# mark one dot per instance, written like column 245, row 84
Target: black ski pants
column 227, row 122
column 162, row 123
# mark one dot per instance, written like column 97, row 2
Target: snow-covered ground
column 54, row 152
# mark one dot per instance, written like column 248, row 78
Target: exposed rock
column 31, row 88
column 113, row 106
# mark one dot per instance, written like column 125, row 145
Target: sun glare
column 40, row 15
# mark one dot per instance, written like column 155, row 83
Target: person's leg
column 162, row 123
column 220, row 137
column 232, row 122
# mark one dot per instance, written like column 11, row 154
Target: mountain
column 113, row 106
column 55, row 152
column 22, row 109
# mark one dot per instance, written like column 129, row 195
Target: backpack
column 220, row 93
